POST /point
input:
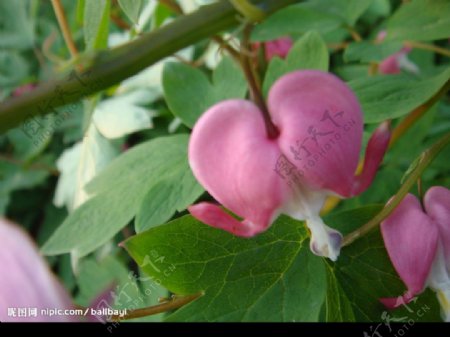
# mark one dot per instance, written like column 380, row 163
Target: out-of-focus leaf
column 295, row 19
column 319, row 15
column 13, row 68
column 347, row 10
column 423, row 20
column 16, row 28
column 96, row 23
column 14, row 177
column 124, row 114
column 365, row 51
column 119, row 191
column 132, row 8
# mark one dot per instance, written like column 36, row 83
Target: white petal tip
column 330, row 249
column 325, row 241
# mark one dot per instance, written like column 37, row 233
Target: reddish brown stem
column 254, row 85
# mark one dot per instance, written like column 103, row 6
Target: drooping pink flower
column 279, row 47
column 418, row 244
column 26, row 281
column 394, row 63
column 314, row 155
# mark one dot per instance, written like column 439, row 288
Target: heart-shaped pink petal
column 411, row 238
column 437, row 205
column 232, row 157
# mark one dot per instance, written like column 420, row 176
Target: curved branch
column 113, row 66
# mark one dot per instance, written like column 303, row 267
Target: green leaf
column 295, row 19
column 337, row 305
column 365, row 51
column 127, row 289
column 347, row 10
column 96, row 23
column 393, row 96
column 92, row 224
column 80, row 12
column 166, row 197
column 119, row 192
column 309, row 52
column 13, row 68
column 272, row 277
column 322, row 16
column 189, row 93
column 95, row 277
column 132, row 8
column 16, row 27
column 424, row 20
column 14, row 177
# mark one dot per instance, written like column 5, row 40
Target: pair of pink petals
column 418, row 243
column 316, row 154
column 276, row 48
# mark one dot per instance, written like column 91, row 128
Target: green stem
column 113, row 66
column 174, row 303
column 423, row 161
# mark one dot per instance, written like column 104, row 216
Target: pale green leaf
column 96, row 23
column 119, row 192
column 423, row 20
column 132, row 8
column 393, row 96
column 189, row 93
column 365, row 51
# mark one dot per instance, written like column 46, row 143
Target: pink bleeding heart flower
column 418, row 244
column 315, row 154
column 279, row 47
column 394, row 63
column 26, row 281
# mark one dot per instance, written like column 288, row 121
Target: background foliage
column 114, row 165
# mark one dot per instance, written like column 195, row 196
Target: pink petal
column 395, row 302
column 411, row 240
column 381, row 36
column 104, row 300
column 376, row 148
column 437, row 205
column 232, row 157
column 390, row 65
column 396, row 62
column 216, row 217
column 26, row 281
column 320, row 122
column 279, row 47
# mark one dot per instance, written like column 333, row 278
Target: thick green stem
column 422, row 163
column 113, row 66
